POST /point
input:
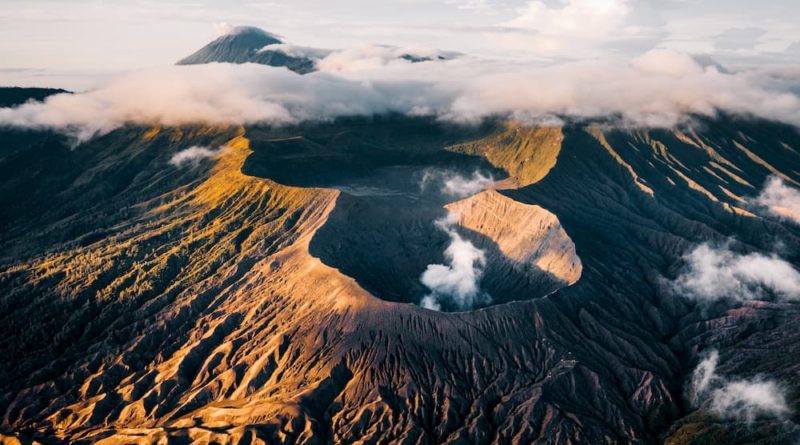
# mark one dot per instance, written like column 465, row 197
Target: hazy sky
column 69, row 41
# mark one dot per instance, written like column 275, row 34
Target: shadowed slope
column 240, row 45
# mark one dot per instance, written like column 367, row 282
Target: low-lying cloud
column 461, row 186
column 193, row 155
column 661, row 88
column 736, row 399
column 714, row 273
column 208, row 94
column 780, row 199
column 455, row 283
column 705, row 374
column 298, row 51
column 370, row 57
column 747, row 400
column 454, row 184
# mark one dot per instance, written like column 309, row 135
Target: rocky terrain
column 270, row 292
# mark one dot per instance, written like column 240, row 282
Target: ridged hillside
column 144, row 302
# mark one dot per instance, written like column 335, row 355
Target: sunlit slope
column 527, row 154
column 143, row 301
column 527, row 237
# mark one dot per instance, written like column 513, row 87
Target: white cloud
column 370, row 57
column 780, row 199
column 214, row 94
column 668, row 62
column 209, row 94
column 193, row 155
column 298, row 51
column 456, row 282
column 224, row 28
column 453, row 184
column 717, row 273
column 460, row 186
column 660, row 89
column 747, row 400
column 743, row 399
column 587, row 19
column 598, row 88
column 705, row 374
column 574, row 29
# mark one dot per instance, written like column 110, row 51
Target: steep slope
column 528, row 236
column 192, row 304
column 239, row 45
column 274, row 57
column 757, row 342
column 527, row 154
column 247, row 44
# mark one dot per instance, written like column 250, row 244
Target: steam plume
column 456, row 282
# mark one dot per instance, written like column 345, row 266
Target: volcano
column 239, row 45
column 247, row 44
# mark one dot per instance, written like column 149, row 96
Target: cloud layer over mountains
column 740, row 399
column 660, row 88
column 780, row 199
column 714, row 273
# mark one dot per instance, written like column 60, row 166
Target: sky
column 75, row 43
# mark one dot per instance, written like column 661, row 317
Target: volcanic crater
column 402, row 200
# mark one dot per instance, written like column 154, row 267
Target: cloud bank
column 743, row 400
column 780, row 199
column 585, row 28
column 193, row 155
column 660, row 88
column 298, row 51
column 573, row 22
column 207, row 94
column 719, row 273
column 370, row 57
column 455, row 283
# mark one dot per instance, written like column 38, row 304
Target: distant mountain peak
column 249, row 44
column 237, row 45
